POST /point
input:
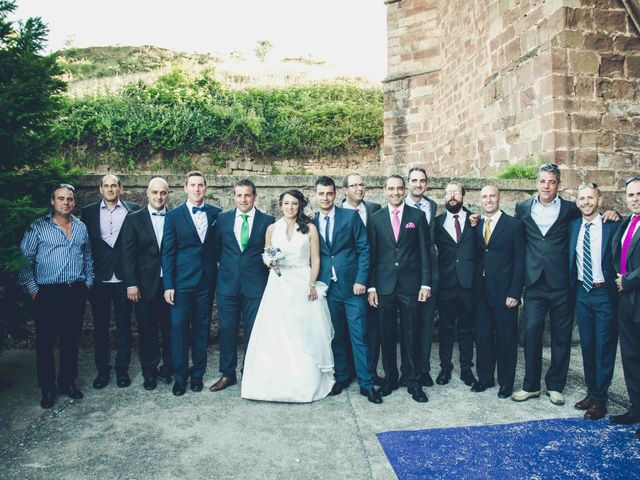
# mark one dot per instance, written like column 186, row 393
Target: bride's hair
column 302, row 220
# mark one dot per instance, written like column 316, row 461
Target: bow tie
column 197, row 209
column 159, row 214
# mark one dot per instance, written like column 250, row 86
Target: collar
column 462, row 214
column 153, row 210
column 331, row 213
column 399, row 207
column 409, row 201
column 251, row 212
column 191, row 205
column 596, row 221
column 104, row 205
column 496, row 216
column 555, row 201
column 359, row 208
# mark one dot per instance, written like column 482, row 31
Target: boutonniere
column 213, row 223
column 410, row 225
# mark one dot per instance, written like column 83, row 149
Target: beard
column 453, row 207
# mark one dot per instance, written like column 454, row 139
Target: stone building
column 475, row 85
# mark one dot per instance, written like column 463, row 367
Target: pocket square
column 410, row 225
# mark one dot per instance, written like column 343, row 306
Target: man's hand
column 359, row 289
column 169, row 296
column 474, row 219
column 424, row 294
column 373, row 299
column 619, row 283
column 610, row 216
column 133, row 294
column 511, row 302
column 34, row 295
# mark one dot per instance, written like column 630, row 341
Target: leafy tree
column 263, row 47
column 30, row 99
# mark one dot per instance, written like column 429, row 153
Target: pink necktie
column 626, row 243
column 395, row 223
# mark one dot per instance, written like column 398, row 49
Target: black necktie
column 456, row 224
column 159, row 214
column 197, row 209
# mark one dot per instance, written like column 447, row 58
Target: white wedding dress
column 289, row 356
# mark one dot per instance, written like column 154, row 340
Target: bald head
column 490, row 200
column 157, row 193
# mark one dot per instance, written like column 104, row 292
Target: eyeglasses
column 635, row 178
column 587, row 185
column 356, row 185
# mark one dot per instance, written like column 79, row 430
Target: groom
column 242, row 277
column 344, row 267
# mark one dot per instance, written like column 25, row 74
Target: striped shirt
column 54, row 258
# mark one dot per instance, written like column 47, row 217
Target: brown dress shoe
column 597, row 411
column 223, row 383
column 584, row 404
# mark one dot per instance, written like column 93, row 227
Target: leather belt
column 595, row 284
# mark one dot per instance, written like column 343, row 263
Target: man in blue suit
column 344, row 267
column 189, row 272
column 242, row 277
column 592, row 278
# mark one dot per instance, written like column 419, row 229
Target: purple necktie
column 626, row 243
column 395, row 223
column 456, row 224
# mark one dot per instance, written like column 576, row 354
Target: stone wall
column 475, row 85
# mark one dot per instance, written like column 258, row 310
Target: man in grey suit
column 546, row 218
column 418, row 182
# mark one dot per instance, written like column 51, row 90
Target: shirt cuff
column 425, row 286
column 371, row 289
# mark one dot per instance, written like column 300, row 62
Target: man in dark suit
column 142, row 269
column 499, row 278
column 418, row 182
column 242, row 277
column 456, row 263
column 399, row 278
column 546, row 219
column 104, row 221
column 189, row 272
column 592, row 279
column 626, row 259
column 354, row 191
column 344, row 267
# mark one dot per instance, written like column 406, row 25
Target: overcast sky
column 350, row 34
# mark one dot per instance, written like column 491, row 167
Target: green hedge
column 180, row 115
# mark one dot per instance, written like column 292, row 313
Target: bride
column 289, row 356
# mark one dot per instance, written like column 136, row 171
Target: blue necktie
column 327, row 239
column 587, row 270
column 197, row 209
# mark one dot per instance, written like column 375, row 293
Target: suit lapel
column 338, row 220
column 498, row 228
column 386, row 222
column 148, row 224
column 564, row 208
column 187, row 218
column 573, row 239
column 634, row 242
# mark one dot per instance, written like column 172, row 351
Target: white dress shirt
column 237, row 225
column 595, row 233
column 494, row 219
column 449, row 223
column 423, row 205
column 361, row 209
column 545, row 215
column 199, row 220
column 323, row 223
column 110, row 225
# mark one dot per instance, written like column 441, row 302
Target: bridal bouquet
column 273, row 257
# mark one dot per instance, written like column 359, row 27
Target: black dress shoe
column 505, row 392
column 372, row 395
column 179, row 388
column 443, row 377
column 467, row 377
column 478, row 387
column 425, row 379
column 403, row 382
column 122, row 379
column 71, row 391
column 337, row 388
column 196, row 384
column 150, row 383
column 223, row 383
column 378, row 381
column 418, row 395
column 388, row 388
column 164, row 374
column 625, row 419
column 102, row 379
column 48, row 399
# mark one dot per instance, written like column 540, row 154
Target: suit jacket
column 547, row 254
column 435, row 271
column 456, row 261
column 348, row 254
column 608, row 270
column 241, row 271
column 185, row 259
column 500, row 266
column 630, row 297
column 141, row 257
column 370, row 207
column 107, row 261
column 402, row 266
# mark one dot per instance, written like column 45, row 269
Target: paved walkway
column 135, row 434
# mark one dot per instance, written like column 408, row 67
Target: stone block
column 623, row 108
column 633, row 67
column 583, row 62
column 586, row 158
column 527, row 97
column 584, row 87
column 611, row 65
column 599, row 41
column 613, row 21
column 605, row 141
column 568, row 39
column 618, row 124
column 627, row 44
column 586, row 122
column 602, row 176
column 626, row 141
column 616, row 89
column 579, row 19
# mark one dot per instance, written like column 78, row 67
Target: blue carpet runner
column 570, row 448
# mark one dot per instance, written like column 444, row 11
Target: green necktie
column 244, row 232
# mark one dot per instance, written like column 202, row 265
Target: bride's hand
column 313, row 293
